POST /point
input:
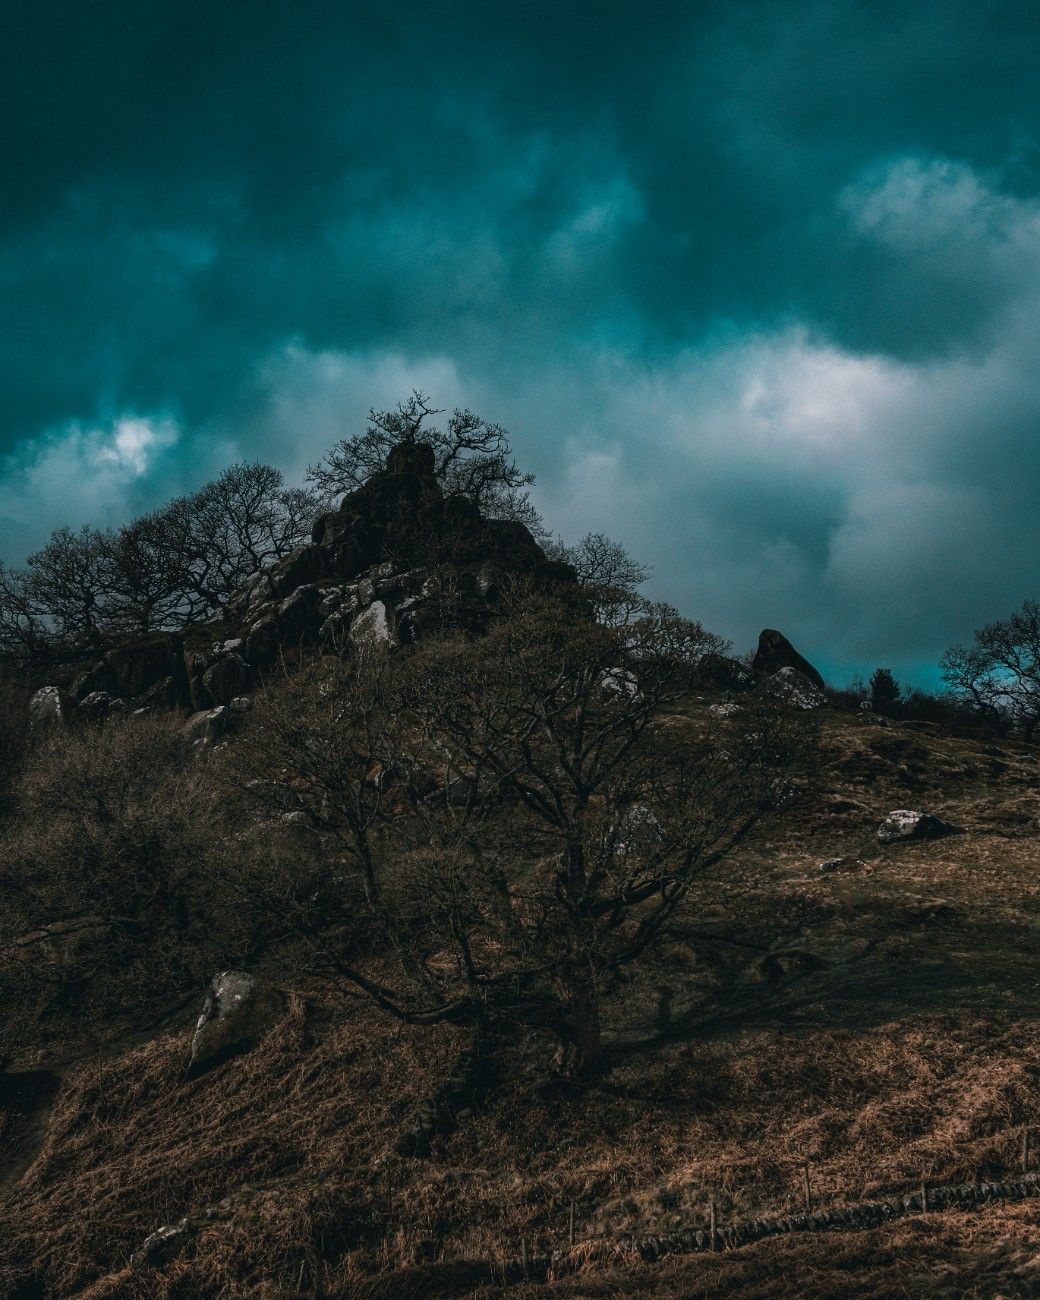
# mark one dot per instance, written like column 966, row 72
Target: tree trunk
column 579, row 1035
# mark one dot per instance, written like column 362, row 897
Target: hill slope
column 876, row 1019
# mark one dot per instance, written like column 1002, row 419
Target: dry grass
column 907, row 1047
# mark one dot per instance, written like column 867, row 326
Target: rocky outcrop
column 396, row 561
column 906, row 824
column 238, row 1010
column 775, row 653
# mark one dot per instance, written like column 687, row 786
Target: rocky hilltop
column 397, row 559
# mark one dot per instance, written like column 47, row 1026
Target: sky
column 755, row 287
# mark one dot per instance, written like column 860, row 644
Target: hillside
column 535, row 925
column 876, row 1019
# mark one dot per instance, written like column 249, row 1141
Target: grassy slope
column 878, row 1020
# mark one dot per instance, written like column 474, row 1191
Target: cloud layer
column 756, row 286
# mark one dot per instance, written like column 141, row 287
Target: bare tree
column 165, row 570
column 63, row 596
column 24, row 635
column 610, row 576
column 999, row 673
column 218, row 537
column 472, row 459
column 517, row 831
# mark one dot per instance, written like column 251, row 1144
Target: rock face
column 238, row 1010
column 775, row 652
column 134, row 667
column 794, row 688
column 905, row 824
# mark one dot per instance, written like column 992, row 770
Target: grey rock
column 208, row 726
column 98, row 706
column 907, row 824
column 794, row 688
column 48, row 707
column 372, row 628
column 237, row 1012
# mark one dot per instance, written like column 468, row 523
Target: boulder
column 138, row 667
column 307, row 565
column 237, row 1012
column 209, row 726
column 97, row 706
column 775, row 652
column 162, row 1245
column 906, row 824
column 48, row 707
column 794, row 688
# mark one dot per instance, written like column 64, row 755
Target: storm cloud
column 755, row 286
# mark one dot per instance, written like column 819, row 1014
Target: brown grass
column 908, row 1047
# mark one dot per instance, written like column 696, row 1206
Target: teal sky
column 755, row 286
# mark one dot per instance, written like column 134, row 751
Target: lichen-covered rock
column 907, row 824
column 372, row 628
column 288, row 625
column 98, row 707
column 47, row 708
column 794, row 688
column 619, row 683
column 238, row 1010
column 161, row 1245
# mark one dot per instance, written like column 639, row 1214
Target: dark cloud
column 757, row 285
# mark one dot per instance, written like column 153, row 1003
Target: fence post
column 570, row 1226
column 714, row 1226
column 924, row 1197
